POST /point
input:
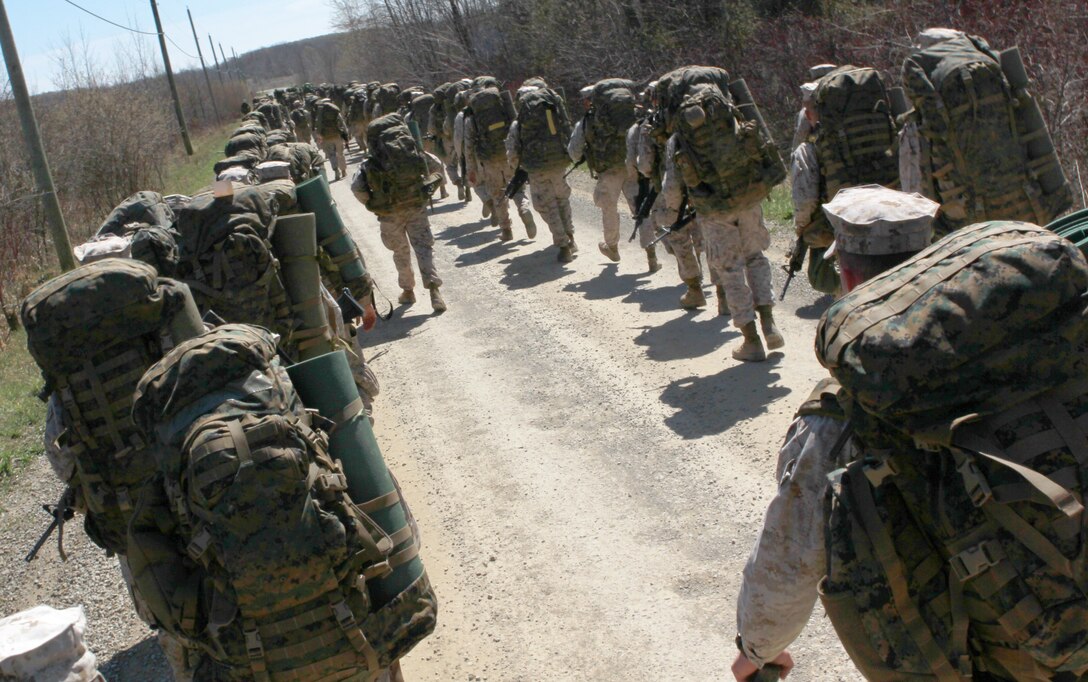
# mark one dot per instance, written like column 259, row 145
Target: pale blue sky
column 41, row 28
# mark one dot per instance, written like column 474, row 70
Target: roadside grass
column 184, row 174
column 22, row 415
column 778, row 208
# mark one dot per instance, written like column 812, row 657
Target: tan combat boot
column 651, row 259
column 723, row 302
column 770, row 331
column 565, row 254
column 573, row 245
column 612, row 252
column 751, row 350
column 529, row 223
column 487, row 209
column 693, row 298
column 407, row 297
column 506, row 234
column 437, row 303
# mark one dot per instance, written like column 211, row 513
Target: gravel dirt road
column 587, row 463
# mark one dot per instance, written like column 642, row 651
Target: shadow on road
column 684, row 337
column 449, row 207
column 606, row 284
column 814, row 310
column 406, row 320
column 533, row 268
column 138, row 663
column 494, row 249
column 709, row 405
column 655, row 299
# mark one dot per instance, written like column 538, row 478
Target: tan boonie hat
column 808, row 91
column 932, row 36
column 872, row 220
column 820, row 70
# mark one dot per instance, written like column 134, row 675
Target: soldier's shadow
column 533, row 268
column 606, row 284
column 709, row 405
column 406, row 319
column 494, row 249
column 813, row 311
column 684, row 337
column 655, row 299
column 140, row 662
column 470, row 235
column 449, row 207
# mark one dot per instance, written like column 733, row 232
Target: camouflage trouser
column 551, row 199
column 391, row 674
column 610, row 184
column 181, row 658
column 358, row 131
column 492, row 178
column 302, row 133
column 434, row 165
column 406, row 231
column 734, row 250
column 334, row 149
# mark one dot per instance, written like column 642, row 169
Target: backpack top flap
column 141, row 207
column 207, row 220
column 674, row 86
column 984, row 319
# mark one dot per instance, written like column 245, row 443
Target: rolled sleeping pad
column 294, row 243
column 314, row 197
column 898, row 101
column 1073, row 227
column 508, row 104
column 1075, row 218
column 325, row 383
column 1029, row 119
column 187, row 323
column 413, row 128
column 743, row 96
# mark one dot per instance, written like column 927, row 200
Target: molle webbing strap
column 352, row 410
column 378, row 503
column 884, row 550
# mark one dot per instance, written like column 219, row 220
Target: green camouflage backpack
column 386, row 96
column 227, row 261
column 491, row 121
column 93, row 331
column 726, row 162
column 977, row 164
column 393, row 167
column 674, row 86
column 327, row 120
column 543, row 130
column 305, row 158
column 248, row 544
column 611, row 113
column 857, row 140
column 271, row 112
column 247, row 143
column 142, row 207
column 956, row 540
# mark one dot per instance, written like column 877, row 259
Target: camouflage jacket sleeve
column 513, row 140
column 789, row 558
column 576, row 148
column 910, row 158
column 647, row 151
column 631, row 160
column 458, row 135
column 469, row 149
column 805, row 184
column 667, row 206
column 801, row 131
column 359, row 187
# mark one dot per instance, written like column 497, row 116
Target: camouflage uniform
column 332, row 143
column 911, row 151
column 435, row 167
column 403, row 232
column 492, row 176
column 634, row 138
column 549, row 191
column 686, row 244
column 610, row 185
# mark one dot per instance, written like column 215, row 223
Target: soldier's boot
column 407, row 297
column 565, row 254
column 751, row 349
column 444, row 193
column 651, row 259
column 529, row 223
column 693, row 298
column 506, row 234
column 770, row 330
column 612, row 252
column 438, row 304
column 723, row 302
column 468, row 194
column 460, row 193
column 487, row 209
column 573, row 244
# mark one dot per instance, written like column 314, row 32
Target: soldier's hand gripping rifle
column 577, row 163
column 684, row 216
column 61, row 511
column 647, row 195
column 796, row 262
column 521, row 176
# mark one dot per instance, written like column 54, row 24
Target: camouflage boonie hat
column 820, row 70
column 808, row 91
column 932, row 36
column 872, row 220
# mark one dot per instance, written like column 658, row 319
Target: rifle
column 577, row 163
column 61, row 511
column 796, row 262
column 645, row 202
column 521, row 176
column 683, row 217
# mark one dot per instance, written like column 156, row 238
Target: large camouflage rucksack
column 247, row 142
column 227, row 260
column 543, row 130
column 305, row 158
column 248, row 545
column 977, row 165
column 393, row 167
column 93, row 331
column 727, row 162
column 141, row 207
column 327, row 120
column 611, row 113
column 674, row 86
column 271, row 112
column 386, row 96
column 490, row 119
column 956, row 539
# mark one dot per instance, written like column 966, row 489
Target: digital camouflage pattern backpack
column 956, row 541
column 490, row 119
column 248, row 545
column 247, row 142
column 393, row 167
column 142, row 207
column 386, row 97
column 674, row 86
column 305, row 158
column 327, row 119
column 93, row 331
column 543, row 130
column 977, row 165
column 611, row 113
column 726, row 162
column 227, row 261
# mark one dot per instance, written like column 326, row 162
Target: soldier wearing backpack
column 440, row 128
column 301, row 120
column 390, row 182
column 600, row 138
column 537, row 144
column 332, row 134
column 645, row 228
column 779, row 587
column 488, row 116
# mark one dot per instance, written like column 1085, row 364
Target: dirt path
column 587, row 464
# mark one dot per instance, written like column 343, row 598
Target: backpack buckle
column 978, row 489
column 877, row 473
column 254, row 649
column 974, row 560
column 344, row 617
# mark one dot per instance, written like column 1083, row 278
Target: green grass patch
column 183, row 174
column 778, row 206
column 22, row 415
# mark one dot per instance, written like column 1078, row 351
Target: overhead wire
column 129, row 28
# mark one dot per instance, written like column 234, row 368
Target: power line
column 190, row 56
column 114, row 23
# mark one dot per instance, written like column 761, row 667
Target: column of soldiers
column 930, row 490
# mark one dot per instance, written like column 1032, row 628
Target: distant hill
column 311, row 60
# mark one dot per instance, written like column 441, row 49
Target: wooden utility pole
column 217, row 69
column 170, row 80
column 38, row 161
column 203, row 67
column 225, row 67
